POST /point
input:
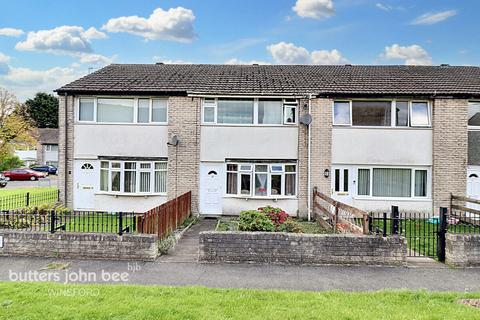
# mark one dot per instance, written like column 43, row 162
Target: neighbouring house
column 244, row 136
column 29, row 157
column 47, row 146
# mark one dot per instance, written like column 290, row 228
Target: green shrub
column 253, row 220
column 10, row 162
column 291, row 225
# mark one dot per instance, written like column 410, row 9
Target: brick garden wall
column 79, row 245
column 301, row 249
column 462, row 250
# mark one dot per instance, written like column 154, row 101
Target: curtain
column 235, row 111
column 104, row 180
column 420, row 183
column 143, row 110
column 160, row 181
column 363, row 182
column 261, row 184
column 231, row 183
column 144, row 181
column 290, row 182
column 159, row 110
column 389, row 182
column 270, row 112
column 86, row 110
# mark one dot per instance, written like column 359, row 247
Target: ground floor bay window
column 261, row 179
column 133, row 177
column 392, row 182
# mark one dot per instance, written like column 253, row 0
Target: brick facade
column 65, row 145
column 321, row 150
column 184, row 159
column 450, row 150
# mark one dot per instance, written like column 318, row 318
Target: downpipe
column 309, row 163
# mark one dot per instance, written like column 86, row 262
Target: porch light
column 326, row 173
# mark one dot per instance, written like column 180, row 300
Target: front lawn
column 57, row 301
column 17, row 198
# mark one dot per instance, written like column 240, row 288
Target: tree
column 15, row 127
column 43, row 109
column 10, row 162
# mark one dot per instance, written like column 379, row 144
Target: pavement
column 181, row 268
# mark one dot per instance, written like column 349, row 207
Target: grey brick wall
column 184, row 159
column 450, row 150
column 303, row 249
column 321, row 152
column 79, row 245
column 65, row 166
column 462, row 250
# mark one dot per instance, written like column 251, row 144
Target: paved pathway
column 186, row 249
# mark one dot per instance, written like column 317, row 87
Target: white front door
column 211, row 188
column 84, row 191
column 473, row 187
column 341, row 184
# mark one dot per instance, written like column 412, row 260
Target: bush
column 253, row 220
column 10, row 162
column 277, row 215
column 293, row 226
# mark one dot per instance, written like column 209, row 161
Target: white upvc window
column 133, row 177
column 381, row 113
column 269, row 180
column 249, row 111
column 474, row 114
column 393, row 182
column 51, row 147
column 122, row 110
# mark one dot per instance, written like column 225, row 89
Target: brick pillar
column 321, row 150
column 65, row 146
column 450, row 150
column 184, row 159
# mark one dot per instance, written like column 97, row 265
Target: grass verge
column 17, row 198
column 56, row 301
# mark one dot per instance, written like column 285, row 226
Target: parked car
column 22, row 174
column 3, row 181
column 44, row 168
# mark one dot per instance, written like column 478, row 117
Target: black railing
column 28, row 199
column 78, row 221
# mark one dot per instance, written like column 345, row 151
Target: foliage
column 43, row 109
column 35, row 300
column 15, row 126
column 277, row 215
column 227, row 225
column 10, row 162
column 253, row 220
column 291, row 225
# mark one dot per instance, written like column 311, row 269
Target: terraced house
column 243, row 136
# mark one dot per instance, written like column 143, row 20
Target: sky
column 46, row 44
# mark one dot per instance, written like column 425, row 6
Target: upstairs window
column 372, row 113
column 122, row 110
column 474, row 114
column 249, row 111
column 375, row 113
column 115, row 110
column 51, row 147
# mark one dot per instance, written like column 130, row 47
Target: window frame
column 286, row 103
column 413, row 171
column 135, row 110
column 393, row 117
column 137, row 170
column 269, row 173
column 472, row 127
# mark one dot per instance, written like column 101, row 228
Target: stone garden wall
column 462, row 250
column 78, row 245
column 301, row 249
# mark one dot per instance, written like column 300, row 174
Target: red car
column 22, row 174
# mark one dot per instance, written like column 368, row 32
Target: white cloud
column 386, row 7
column 434, row 17
column 411, row 55
column 288, row 53
column 175, row 24
column 4, row 68
column 24, row 82
column 66, row 40
column 315, row 9
column 61, row 40
column 238, row 61
column 4, row 58
column 11, row 32
column 159, row 59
